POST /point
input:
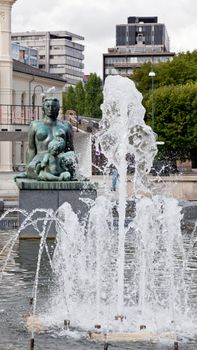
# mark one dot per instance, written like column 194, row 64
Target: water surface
column 15, row 292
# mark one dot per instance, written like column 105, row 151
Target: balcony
column 19, row 115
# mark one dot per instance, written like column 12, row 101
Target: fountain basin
column 132, row 337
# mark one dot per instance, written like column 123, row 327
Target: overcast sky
column 96, row 20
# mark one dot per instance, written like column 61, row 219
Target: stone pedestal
column 51, row 195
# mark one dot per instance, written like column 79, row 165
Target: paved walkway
column 9, row 190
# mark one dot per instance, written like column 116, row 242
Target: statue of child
column 68, row 163
column 49, row 169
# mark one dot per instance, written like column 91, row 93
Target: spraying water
column 131, row 274
column 124, row 132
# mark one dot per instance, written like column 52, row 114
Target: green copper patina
column 50, row 152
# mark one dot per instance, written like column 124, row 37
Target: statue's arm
column 31, row 149
column 45, row 160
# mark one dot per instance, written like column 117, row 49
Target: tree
column 175, row 118
column 181, row 70
column 80, row 98
column 69, row 99
column 93, row 96
column 175, row 101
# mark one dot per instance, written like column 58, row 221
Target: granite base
column 51, row 195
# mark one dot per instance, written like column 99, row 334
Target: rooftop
column 27, row 69
column 142, row 20
column 54, row 34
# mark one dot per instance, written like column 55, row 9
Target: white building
column 29, row 86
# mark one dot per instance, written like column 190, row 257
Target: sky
column 96, row 21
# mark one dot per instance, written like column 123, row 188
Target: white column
column 6, row 73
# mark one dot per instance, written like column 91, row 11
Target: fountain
column 124, row 277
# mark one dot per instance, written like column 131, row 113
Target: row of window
column 40, row 47
column 112, row 60
column 70, row 52
column 64, row 47
column 26, row 37
column 65, row 42
column 70, row 61
column 73, row 68
column 74, row 59
column 72, row 77
column 134, row 48
column 114, row 71
column 57, row 65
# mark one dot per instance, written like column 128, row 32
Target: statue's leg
column 65, row 176
column 45, row 176
column 31, row 173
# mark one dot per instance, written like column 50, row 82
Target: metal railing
column 17, row 114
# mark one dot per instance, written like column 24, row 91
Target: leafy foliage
column 85, row 100
column 80, row 98
column 175, row 117
column 93, row 96
column 181, row 70
column 175, row 100
column 69, row 99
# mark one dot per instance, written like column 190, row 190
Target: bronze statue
column 50, row 152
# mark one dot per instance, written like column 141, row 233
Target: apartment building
column 60, row 52
column 141, row 40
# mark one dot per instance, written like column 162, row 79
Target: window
column 55, row 47
column 23, row 99
column 140, row 39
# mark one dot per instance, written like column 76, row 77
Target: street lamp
column 152, row 75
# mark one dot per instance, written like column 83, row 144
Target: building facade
column 141, row 40
column 30, row 85
column 59, row 52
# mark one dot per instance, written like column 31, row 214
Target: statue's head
column 68, row 160
column 56, row 146
column 51, row 107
